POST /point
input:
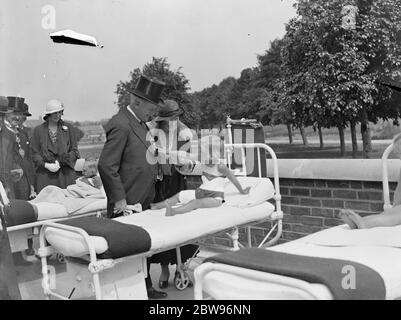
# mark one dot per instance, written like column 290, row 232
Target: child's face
column 89, row 170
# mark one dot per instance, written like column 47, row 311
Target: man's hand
column 120, row 206
column 16, row 174
column 32, row 194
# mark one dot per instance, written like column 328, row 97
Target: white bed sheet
column 376, row 248
column 166, row 232
column 48, row 210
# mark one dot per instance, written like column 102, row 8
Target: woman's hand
column 246, row 190
column 52, row 167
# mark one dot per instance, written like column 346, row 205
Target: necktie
column 144, row 125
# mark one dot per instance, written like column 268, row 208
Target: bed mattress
column 48, row 210
column 166, row 232
column 377, row 248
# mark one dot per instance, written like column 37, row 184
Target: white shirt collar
column 133, row 113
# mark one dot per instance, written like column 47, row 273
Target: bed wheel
column 181, row 280
column 60, row 258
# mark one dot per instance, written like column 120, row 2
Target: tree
column 330, row 69
column 177, row 87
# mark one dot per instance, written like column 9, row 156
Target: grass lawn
column 330, row 151
column 284, row 150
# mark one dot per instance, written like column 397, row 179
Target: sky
column 208, row 39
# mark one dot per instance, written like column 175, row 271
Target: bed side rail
column 39, row 223
column 386, row 191
column 204, row 269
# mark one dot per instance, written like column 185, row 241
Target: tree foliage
column 177, row 87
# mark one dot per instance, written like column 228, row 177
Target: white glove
column 52, row 167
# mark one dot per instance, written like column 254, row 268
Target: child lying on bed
column 211, row 193
column 388, row 218
column 90, row 175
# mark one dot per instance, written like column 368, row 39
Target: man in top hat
column 8, row 280
column 127, row 164
column 25, row 113
column 24, row 188
column 10, row 168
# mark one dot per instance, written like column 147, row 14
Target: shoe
column 190, row 284
column 163, row 284
column 154, row 294
column 30, row 252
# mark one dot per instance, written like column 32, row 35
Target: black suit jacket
column 126, row 165
column 9, row 159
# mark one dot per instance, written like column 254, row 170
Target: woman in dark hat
column 54, row 148
column 169, row 134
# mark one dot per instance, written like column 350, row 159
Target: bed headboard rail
column 386, row 190
column 229, row 150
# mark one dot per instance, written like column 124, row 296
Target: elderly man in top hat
column 8, row 280
column 10, row 169
column 24, row 188
column 127, row 164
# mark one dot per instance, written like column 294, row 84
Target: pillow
column 262, row 189
column 71, row 244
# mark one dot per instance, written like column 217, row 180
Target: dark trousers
column 8, row 279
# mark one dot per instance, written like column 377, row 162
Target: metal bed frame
column 302, row 288
column 181, row 281
column 35, row 226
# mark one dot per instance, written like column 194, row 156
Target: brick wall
column 310, row 205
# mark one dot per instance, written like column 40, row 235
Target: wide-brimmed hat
column 4, row 105
column 53, row 106
column 25, row 110
column 15, row 103
column 148, row 89
column 168, row 109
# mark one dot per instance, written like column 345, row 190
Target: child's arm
column 227, row 172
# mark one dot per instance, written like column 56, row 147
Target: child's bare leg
column 193, row 205
column 389, row 218
column 162, row 204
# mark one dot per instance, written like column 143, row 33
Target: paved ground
column 30, row 278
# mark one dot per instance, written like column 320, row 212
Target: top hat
column 168, row 109
column 148, row 89
column 390, row 83
column 4, row 105
column 25, row 110
column 16, row 104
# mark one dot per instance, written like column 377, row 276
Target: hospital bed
column 376, row 249
column 90, row 273
column 19, row 234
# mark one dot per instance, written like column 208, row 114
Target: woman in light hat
column 55, row 150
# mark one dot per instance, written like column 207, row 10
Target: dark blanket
column 123, row 239
column 331, row 272
column 19, row 212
